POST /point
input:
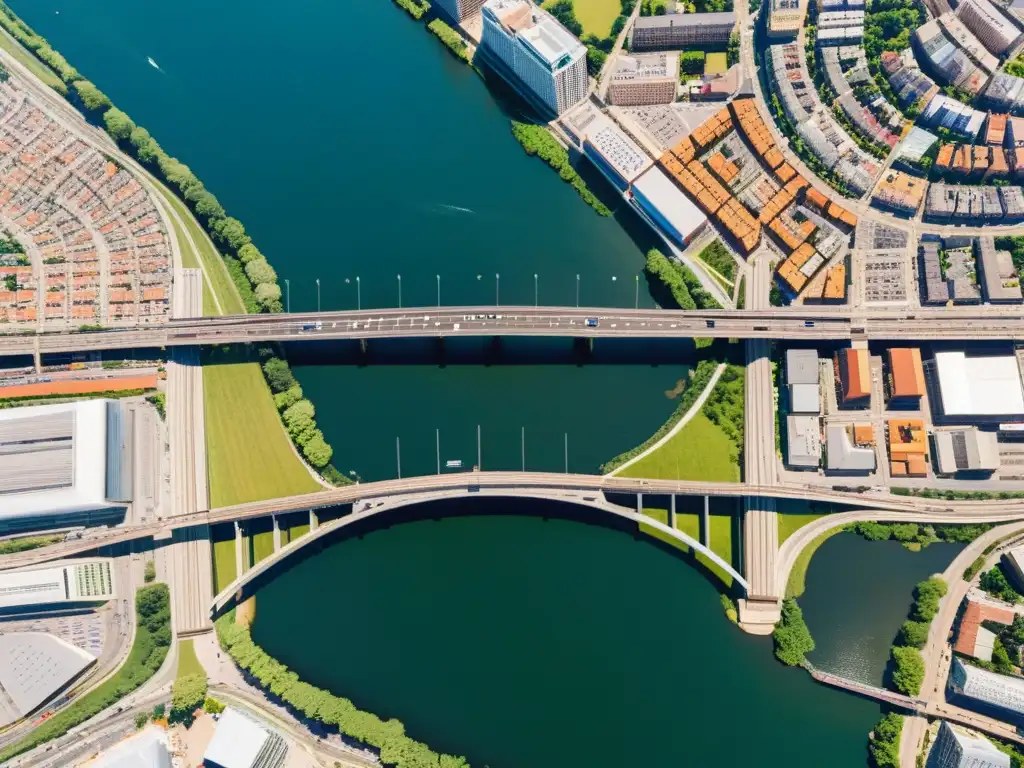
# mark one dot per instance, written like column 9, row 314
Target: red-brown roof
column 974, row 615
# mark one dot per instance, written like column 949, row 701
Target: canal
column 522, row 641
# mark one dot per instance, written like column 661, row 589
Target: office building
column 904, row 378
column 459, row 10
column 642, row 80
column 966, row 449
column 999, row 280
column 976, row 389
column 62, row 462
column 1014, row 560
column 987, row 692
column 996, row 32
column 607, row 146
column 34, row 668
column 242, row 742
column 802, row 378
column 536, row 54
column 675, row 30
column 786, row 17
column 803, row 441
column 854, row 376
column 89, row 580
column 667, row 207
column 959, row 747
column 149, row 748
column 849, row 449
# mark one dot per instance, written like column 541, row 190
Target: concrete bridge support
column 706, row 537
column 277, row 533
column 672, row 511
column 239, row 560
column 314, row 522
column 639, row 503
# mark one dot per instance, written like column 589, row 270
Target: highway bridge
column 792, row 323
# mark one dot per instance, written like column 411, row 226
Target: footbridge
column 370, row 509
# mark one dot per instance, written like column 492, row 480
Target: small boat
column 152, row 63
column 454, row 463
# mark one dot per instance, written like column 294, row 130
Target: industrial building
column 802, row 378
column 62, row 462
column 663, row 203
column 976, row 389
column 849, row 448
column 58, row 583
column 149, row 748
column 803, row 441
column 854, row 377
column 242, row 742
column 676, row 30
column 966, row 449
column 987, row 692
column 642, row 80
column 904, row 378
column 614, row 153
column 998, row 277
column 536, row 54
column 34, row 668
column 972, row 639
column 959, row 747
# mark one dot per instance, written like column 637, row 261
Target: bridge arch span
column 380, row 509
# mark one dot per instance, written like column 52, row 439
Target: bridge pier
column 639, row 503
column 314, row 523
column 239, row 562
column 672, row 511
column 364, row 346
column 277, row 533
column 706, row 532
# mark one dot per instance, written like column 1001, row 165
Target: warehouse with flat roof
column 976, row 389
column 149, row 748
column 62, row 460
column 966, row 449
column 34, row 668
column 88, row 580
column 662, row 202
column 242, row 742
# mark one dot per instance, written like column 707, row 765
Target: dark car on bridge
column 591, row 322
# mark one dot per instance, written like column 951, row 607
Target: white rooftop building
column 843, row 455
column 966, row 450
column 534, row 49
column 35, row 667
column 661, row 201
column 56, row 460
column 241, row 742
column 988, row 691
column 978, row 387
column 72, row 581
column 959, row 747
column 149, row 748
column 803, row 441
column 802, row 379
column 615, row 154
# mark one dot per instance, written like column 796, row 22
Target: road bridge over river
column 791, row 323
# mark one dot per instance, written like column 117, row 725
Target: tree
column 146, row 148
column 565, row 13
column 269, row 296
column 595, row 60
column 213, row 706
column 994, row 582
column 188, row 694
column 691, row 62
column 914, row 633
column 885, row 741
column 249, row 252
column 140, row 720
column 908, row 672
column 288, row 398
column 926, row 598
column 92, row 97
column 299, row 416
column 206, row 205
column 317, row 451
column 278, row 374
column 230, row 230
column 260, row 271
column 793, row 640
column 150, row 571
column 118, row 124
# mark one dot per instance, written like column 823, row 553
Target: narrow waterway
column 524, row 642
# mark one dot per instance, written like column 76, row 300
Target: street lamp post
column 636, row 298
column 438, row 290
column 577, row 291
column 287, row 296
column 567, row 453
column 318, row 294
column 497, row 289
column 399, row 291
column 359, row 294
column 398, row 455
column 536, row 301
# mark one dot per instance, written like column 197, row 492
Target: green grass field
column 248, row 452
column 597, row 16
column 700, row 451
column 797, row 582
column 262, row 546
column 791, row 523
column 224, row 570
column 715, row 63
column 188, row 662
column 34, row 65
column 293, row 533
column 721, row 537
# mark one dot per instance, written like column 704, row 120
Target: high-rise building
column 988, row 24
column 536, row 54
column 460, row 9
column 958, row 747
column 785, row 17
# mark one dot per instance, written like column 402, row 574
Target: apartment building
column 785, row 17
column 641, row 80
column 459, row 9
column 675, row 30
column 535, row 53
column 989, row 25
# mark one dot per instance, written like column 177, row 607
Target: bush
column 884, row 743
column 413, row 8
column 691, row 63
column 913, row 633
column 152, row 641
column 187, row 695
column 792, row 639
column 150, row 572
column 159, row 401
column 396, row 748
column 213, row 706
column 908, row 670
column 450, row 38
column 118, row 124
column 995, row 583
column 92, row 97
column 288, row 398
column 259, row 271
column 140, row 720
column 972, row 570
column 278, row 374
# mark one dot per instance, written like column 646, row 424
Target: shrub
column 908, row 670
column 288, row 398
column 278, row 374
column 691, row 62
column 260, row 271
column 92, row 97
column 150, row 572
column 213, row 706
column 792, row 639
column 118, row 124
column 187, row 695
column 972, row 570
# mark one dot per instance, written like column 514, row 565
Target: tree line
column 386, row 736
column 152, row 641
column 537, row 140
column 906, row 668
column 791, row 637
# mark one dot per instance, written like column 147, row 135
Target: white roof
column 805, row 398
column 237, row 741
column 804, row 440
column 33, row 438
column 149, row 748
column 966, row 449
column 844, row 455
column 980, row 684
column 610, row 141
column 551, row 41
column 672, row 204
column 976, row 748
column 35, row 666
column 979, row 386
column 802, row 366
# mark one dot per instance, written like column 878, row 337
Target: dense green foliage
column 717, row 257
column 697, row 383
column 595, row 60
column 733, row 51
column 927, row 595
column 415, row 8
column 908, row 670
column 452, row 39
column 92, row 97
column 972, row 570
column 187, row 695
column 888, row 25
column 537, row 140
column 1015, row 245
column 12, row 546
column 317, row 704
column 884, row 743
column 691, row 63
column 950, row 495
column 564, row 11
column 297, row 414
column 792, row 639
column 724, row 407
column 996, row 584
column 152, row 641
column 913, row 633
column 159, row 401
column 684, row 286
column 918, row 535
column 149, row 573
column 24, row 34
column 213, row 706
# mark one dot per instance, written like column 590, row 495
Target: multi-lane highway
column 794, row 323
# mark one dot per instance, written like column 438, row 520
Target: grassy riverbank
column 537, row 140
column 721, row 537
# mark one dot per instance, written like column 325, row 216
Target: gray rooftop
column 34, row 667
column 844, row 456
column 686, row 20
column 999, row 279
column 36, row 452
column 801, row 366
column 803, row 441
